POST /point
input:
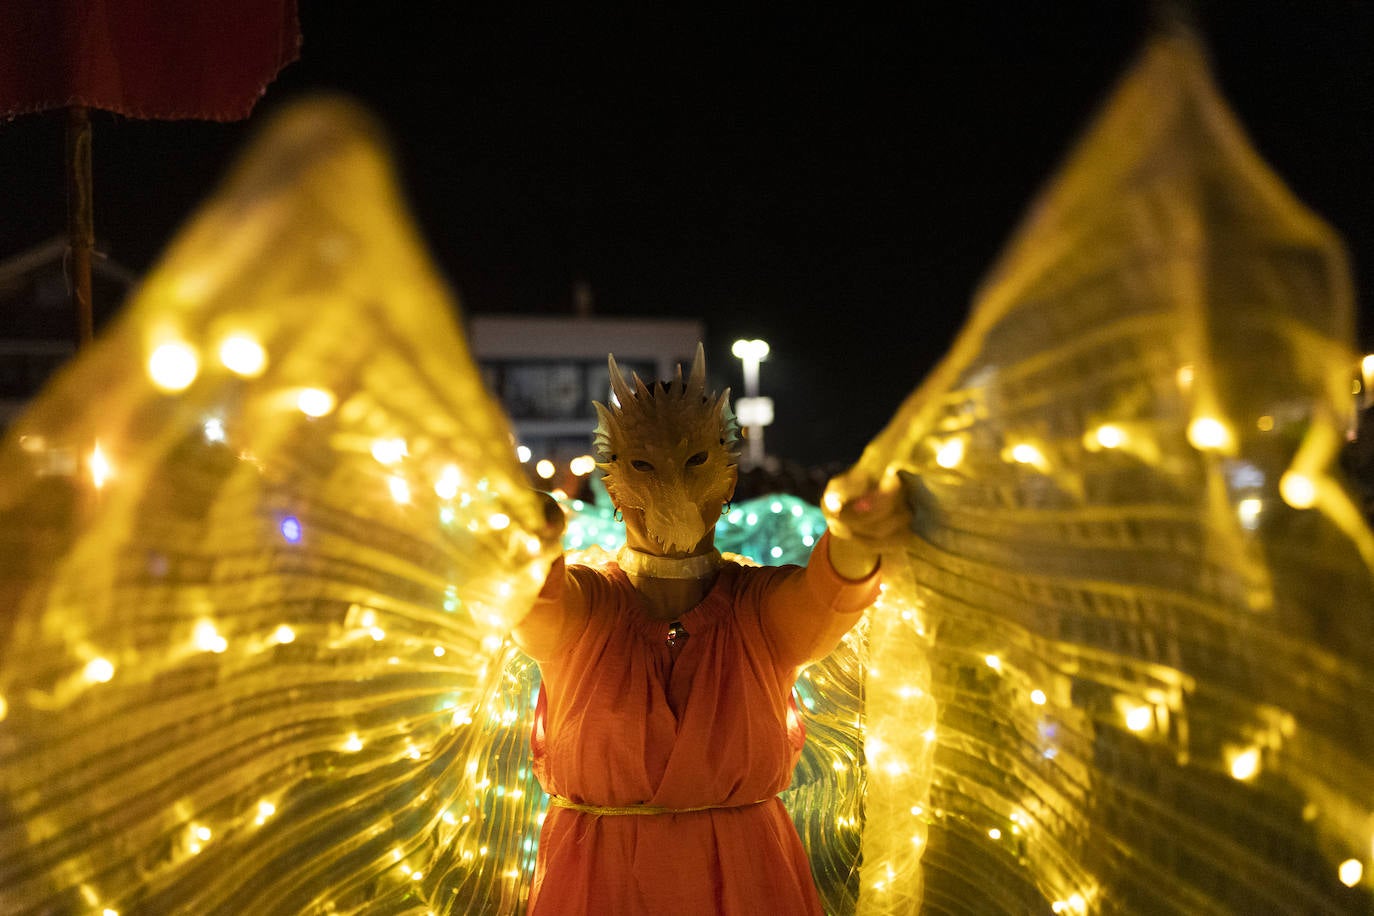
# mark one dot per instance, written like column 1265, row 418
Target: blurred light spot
column 1139, row 718
column 4, row 709
column 315, row 402
column 100, row 467
column 1298, row 490
column 214, row 430
column 808, row 540
column 291, row 529
column 377, row 633
column 776, row 552
column 446, row 515
column 491, row 643
column 438, row 651
column 98, row 670
column 751, row 520
column 1208, row 433
column 1351, row 871
column 446, row 487
column 582, row 465
column 400, row 490
column 1242, row 475
column 389, row 451
column 523, row 453
column 950, row 453
column 995, row 834
column 1185, row 376
column 993, row 662
column 1265, row 423
column 207, row 639
column 1245, row 764
column 353, row 743
column 243, row 355
column 831, row 501
column 1025, row 453
column 173, row 366
column 202, row 833
column 265, row 810
column 1109, row 436
column 1038, row 697
column 1248, row 510
column 283, row 634
column 499, row 521
column 544, row 468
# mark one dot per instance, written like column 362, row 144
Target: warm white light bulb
column 1245, row 764
column 1208, row 434
column 1298, row 490
column 1025, row 453
column 173, row 366
column 315, row 402
column 99, row 670
column 242, row 355
column 99, row 467
column 950, row 453
column 1139, row 718
column 1110, row 436
column 389, row 451
column 446, row 487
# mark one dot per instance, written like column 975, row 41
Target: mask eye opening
column 640, row 465
column 696, row 460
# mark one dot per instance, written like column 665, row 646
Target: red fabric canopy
column 168, row 59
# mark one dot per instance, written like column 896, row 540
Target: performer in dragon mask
column 665, row 727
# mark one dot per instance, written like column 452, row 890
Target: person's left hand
column 865, row 518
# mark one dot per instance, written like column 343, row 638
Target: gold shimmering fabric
column 1147, row 596
column 259, row 548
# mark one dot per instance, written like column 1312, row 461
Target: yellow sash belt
column 558, row 801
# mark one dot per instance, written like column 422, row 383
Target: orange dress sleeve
column 558, row 615
column 805, row 615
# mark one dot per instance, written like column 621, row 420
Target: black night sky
column 832, row 179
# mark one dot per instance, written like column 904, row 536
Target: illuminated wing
column 1147, row 595
column 257, row 550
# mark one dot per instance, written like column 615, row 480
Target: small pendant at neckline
column 677, row 635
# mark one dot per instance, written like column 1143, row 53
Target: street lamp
column 754, row 412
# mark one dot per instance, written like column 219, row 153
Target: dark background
column 834, row 180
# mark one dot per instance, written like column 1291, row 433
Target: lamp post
column 754, row 412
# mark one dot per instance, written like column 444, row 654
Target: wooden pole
column 80, row 221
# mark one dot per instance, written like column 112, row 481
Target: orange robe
column 623, row 720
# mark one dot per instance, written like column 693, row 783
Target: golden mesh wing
column 258, row 550
column 1146, row 596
